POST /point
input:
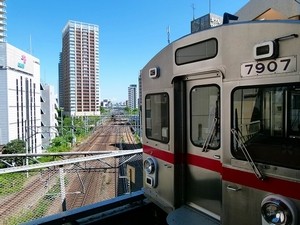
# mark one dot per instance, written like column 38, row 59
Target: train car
column 221, row 125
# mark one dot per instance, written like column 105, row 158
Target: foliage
column 102, row 110
column 131, row 111
column 67, row 121
column 60, row 144
column 39, row 210
column 14, row 147
column 11, row 183
column 138, row 140
column 77, row 129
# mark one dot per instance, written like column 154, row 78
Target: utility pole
column 27, row 144
column 62, row 120
column 72, row 130
column 168, row 34
column 193, row 7
column 62, row 188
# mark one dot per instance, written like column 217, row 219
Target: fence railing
column 39, row 190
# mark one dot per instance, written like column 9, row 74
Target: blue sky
column 131, row 33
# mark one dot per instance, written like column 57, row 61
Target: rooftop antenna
column 209, row 6
column 168, row 33
column 193, row 7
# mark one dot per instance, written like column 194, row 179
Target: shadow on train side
column 130, row 209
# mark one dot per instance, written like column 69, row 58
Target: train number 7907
column 280, row 65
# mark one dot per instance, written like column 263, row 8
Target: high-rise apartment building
column 19, row 93
column 2, row 21
column 132, row 96
column 79, row 69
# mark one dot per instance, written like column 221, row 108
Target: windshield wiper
column 210, row 135
column 238, row 138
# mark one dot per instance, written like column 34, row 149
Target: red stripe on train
column 270, row 184
column 206, row 163
column 210, row 164
column 163, row 155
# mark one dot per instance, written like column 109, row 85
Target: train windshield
column 267, row 120
column 157, row 117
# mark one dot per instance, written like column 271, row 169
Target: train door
column 203, row 180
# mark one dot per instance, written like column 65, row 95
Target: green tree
column 102, row 110
column 127, row 109
column 131, row 111
column 14, row 147
column 60, row 144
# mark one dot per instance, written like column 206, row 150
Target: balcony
column 2, row 4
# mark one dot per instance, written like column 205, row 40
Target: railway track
column 13, row 202
column 111, row 137
column 88, row 186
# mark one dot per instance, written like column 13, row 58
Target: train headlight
column 149, row 165
column 151, row 169
column 277, row 210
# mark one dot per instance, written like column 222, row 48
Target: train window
column 267, row 121
column 157, row 117
column 205, row 118
column 197, row 52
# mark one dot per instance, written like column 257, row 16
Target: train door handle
column 168, row 165
column 217, row 156
column 232, row 188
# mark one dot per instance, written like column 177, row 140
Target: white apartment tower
column 79, row 69
column 2, row 21
column 132, row 99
